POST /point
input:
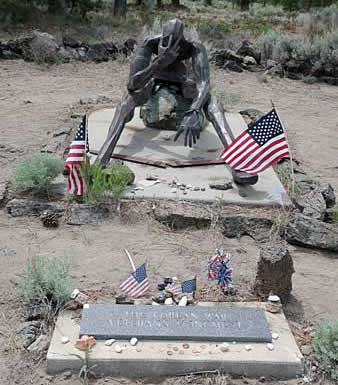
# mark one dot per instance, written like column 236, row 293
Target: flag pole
column 130, row 259
column 291, row 159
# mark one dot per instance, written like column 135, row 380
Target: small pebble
column 155, row 303
column 133, row 341
column 170, row 353
column 248, row 348
column 234, row 342
column 175, row 349
column 186, row 346
column 109, row 342
column 138, row 350
column 169, row 346
column 118, row 349
column 202, row 188
column 183, row 301
column 64, row 340
column 189, row 186
column 181, row 352
column 168, row 301
column 225, row 347
column 275, row 336
column 174, row 190
column 270, row 346
column 196, row 189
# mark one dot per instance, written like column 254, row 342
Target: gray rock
column 25, row 207
column 165, row 109
column 100, row 52
column 67, row 374
column 237, row 225
column 270, row 63
column 306, row 350
column 39, row 345
column 28, row 339
column 248, row 49
column 249, row 60
column 40, row 47
column 81, row 214
column 312, row 204
column 51, row 148
column 276, row 70
column 231, row 65
column 328, row 193
column 274, row 272
column 305, row 231
column 221, row 186
column 251, row 115
column 69, row 41
column 3, row 192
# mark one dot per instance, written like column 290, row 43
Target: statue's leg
column 124, row 112
column 214, row 112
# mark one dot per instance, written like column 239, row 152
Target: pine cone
column 49, row 219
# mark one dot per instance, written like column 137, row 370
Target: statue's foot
column 244, row 178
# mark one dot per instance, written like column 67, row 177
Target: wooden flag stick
column 291, row 160
column 130, row 259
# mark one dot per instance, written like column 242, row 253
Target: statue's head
column 172, row 31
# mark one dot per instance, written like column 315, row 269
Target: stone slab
column 137, row 140
column 192, row 323
column 151, row 358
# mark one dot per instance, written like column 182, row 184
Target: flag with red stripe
column 75, row 158
column 259, row 147
column 137, row 283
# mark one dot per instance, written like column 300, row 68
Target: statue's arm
column 200, row 66
column 141, row 68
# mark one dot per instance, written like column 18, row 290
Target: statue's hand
column 191, row 127
column 167, row 56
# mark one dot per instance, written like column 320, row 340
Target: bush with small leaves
column 36, row 174
column 325, row 344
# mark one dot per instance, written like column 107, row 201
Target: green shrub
column 46, row 282
column 105, row 182
column 37, row 173
column 325, row 344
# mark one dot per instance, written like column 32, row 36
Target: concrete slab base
column 158, row 145
column 152, row 358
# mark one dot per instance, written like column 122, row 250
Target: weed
column 102, row 183
column 325, row 344
column 46, row 282
column 36, row 174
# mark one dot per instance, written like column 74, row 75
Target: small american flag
column 259, row 147
column 137, row 284
column 174, row 288
column 75, row 158
column 189, row 286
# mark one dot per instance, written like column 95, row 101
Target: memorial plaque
column 193, row 323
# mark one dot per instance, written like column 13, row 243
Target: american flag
column 189, row 286
column 174, row 288
column 259, row 147
column 75, row 158
column 137, row 284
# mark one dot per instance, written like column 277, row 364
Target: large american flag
column 137, row 283
column 75, row 158
column 259, row 147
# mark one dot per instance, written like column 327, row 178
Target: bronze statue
column 168, row 67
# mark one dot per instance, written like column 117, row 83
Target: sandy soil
column 36, row 101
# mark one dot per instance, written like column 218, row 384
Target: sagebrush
column 46, row 281
column 36, row 174
column 325, row 344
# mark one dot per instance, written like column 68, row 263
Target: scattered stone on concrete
column 21, row 207
column 304, row 231
column 118, row 349
column 39, row 345
column 248, row 348
column 312, row 204
column 237, row 225
column 110, row 342
column 275, row 336
column 81, row 214
column 186, row 346
column 133, row 341
column 225, row 347
column 221, row 186
column 65, row 340
column 274, row 272
column 270, row 346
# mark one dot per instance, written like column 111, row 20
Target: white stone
column 64, row 340
column 168, row 301
column 270, row 346
column 225, row 347
column 248, row 348
column 155, row 303
column 183, row 301
column 118, row 349
column 133, row 341
column 174, row 190
column 109, row 342
column 275, row 336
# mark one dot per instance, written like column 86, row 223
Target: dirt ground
column 36, row 101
